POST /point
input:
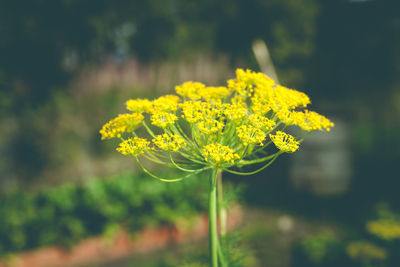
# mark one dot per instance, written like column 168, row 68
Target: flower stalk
column 212, row 214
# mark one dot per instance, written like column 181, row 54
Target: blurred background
column 68, row 66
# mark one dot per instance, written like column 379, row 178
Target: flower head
column 163, row 119
column 133, row 146
column 212, row 93
column 195, row 111
column 189, row 90
column 210, row 126
column 217, row 126
column 166, row 103
column 219, row 155
column 139, row 105
column 261, row 122
column 121, row 124
column 314, row 121
column 250, row 135
column 169, row 142
column 235, row 111
column 284, row 142
column 246, row 81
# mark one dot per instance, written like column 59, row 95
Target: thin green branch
column 256, row 171
column 166, row 179
column 212, row 219
column 148, row 129
column 177, row 166
column 259, row 160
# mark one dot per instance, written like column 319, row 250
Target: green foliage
column 375, row 245
column 365, row 252
column 236, row 255
column 321, row 247
column 387, row 224
column 66, row 214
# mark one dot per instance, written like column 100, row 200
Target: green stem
column 222, row 216
column 221, row 208
column 212, row 219
column 221, row 257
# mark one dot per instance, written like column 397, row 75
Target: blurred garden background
column 68, row 66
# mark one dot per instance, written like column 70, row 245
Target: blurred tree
column 39, row 38
column 357, row 49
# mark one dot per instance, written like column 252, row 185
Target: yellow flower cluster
column 219, row 155
column 163, row 119
column 210, row 126
column 246, row 81
column 284, row 142
column 165, row 103
column 261, row 122
column 204, row 115
column 169, row 142
column 121, row 124
column 133, row 146
column 221, row 122
column 139, row 105
column 214, row 93
column 235, row 111
column 387, row 230
column 250, row 135
column 195, row 111
column 189, row 90
column 196, row 91
column 306, row 120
